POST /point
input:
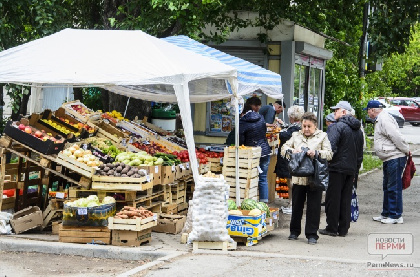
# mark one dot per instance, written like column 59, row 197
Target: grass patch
column 370, row 162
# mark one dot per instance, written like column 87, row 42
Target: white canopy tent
column 131, row 63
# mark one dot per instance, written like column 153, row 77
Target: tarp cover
column 124, row 62
column 251, row 77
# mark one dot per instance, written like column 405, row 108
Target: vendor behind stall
column 269, row 113
column 252, row 131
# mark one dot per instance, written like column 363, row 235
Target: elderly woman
column 282, row 170
column 252, row 131
column 315, row 140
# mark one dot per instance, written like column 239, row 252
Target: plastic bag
column 300, row 164
column 319, row 181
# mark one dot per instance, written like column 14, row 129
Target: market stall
column 143, row 67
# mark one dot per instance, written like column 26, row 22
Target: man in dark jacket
column 269, row 112
column 252, row 133
column 347, row 144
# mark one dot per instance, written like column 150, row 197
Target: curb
column 85, row 250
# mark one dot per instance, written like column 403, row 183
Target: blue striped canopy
column 251, row 77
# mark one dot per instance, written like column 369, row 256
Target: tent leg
column 126, row 106
column 237, row 188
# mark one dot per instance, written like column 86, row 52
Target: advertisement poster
column 216, row 123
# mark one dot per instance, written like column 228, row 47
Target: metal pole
column 126, row 106
column 237, row 188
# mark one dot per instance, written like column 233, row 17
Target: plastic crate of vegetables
column 89, row 211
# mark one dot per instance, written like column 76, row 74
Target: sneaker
column 326, row 232
column 379, row 218
column 392, row 220
column 312, row 241
column 293, row 237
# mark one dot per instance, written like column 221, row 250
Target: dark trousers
column 300, row 194
column 392, row 186
column 338, row 202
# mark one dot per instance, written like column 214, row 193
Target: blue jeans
column 262, row 182
column 392, row 187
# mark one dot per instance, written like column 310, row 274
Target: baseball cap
column 373, row 104
column 330, row 117
column 342, row 105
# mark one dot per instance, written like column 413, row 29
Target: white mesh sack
column 209, row 211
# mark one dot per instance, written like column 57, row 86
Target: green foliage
column 370, row 162
column 92, row 98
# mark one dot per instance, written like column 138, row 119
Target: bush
column 370, row 162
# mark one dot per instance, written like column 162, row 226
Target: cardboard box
column 131, row 238
column 171, row 224
column 246, row 226
column 157, row 173
column 26, row 219
column 168, row 174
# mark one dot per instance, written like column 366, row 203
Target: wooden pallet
column 151, row 202
column 75, row 166
column 122, row 183
column 75, row 193
column 214, row 245
column 135, row 224
column 87, row 234
column 182, row 208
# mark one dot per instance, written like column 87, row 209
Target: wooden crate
column 135, row 224
column 51, row 213
column 182, row 208
column 243, row 163
column 167, row 193
column 75, row 193
column 82, row 118
column 122, row 183
column 178, row 192
column 108, row 131
column 152, row 202
column 243, row 183
column 75, row 166
column 78, row 234
column 171, row 208
column 245, row 193
column 243, row 173
column 248, row 153
column 8, row 203
column 203, row 168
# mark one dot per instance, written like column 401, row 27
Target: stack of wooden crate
column 249, row 159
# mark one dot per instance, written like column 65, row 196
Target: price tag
column 154, row 217
column 173, row 168
column 259, row 169
column 84, row 146
column 124, row 142
column 227, row 195
column 221, row 160
column 275, row 215
column 147, row 178
column 187, row 165
column 59, row 195
column 106, row 121
column 156, row 169
column 271, row 222
column 181, row 166
column 276, row 151
column 131, row 140
column 82, row 211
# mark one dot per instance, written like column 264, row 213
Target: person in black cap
column 347, row 145
column 269, row 113
column 393, row 150
column 330, row 119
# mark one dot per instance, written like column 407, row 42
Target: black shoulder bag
column 319, row 180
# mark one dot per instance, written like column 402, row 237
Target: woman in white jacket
column 316, row 140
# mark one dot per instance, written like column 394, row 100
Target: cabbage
column 108, row 200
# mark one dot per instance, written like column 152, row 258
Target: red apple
column 38, row 134
column 28, row 130
column 22, row 127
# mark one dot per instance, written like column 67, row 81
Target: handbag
column 354, row 208
column 319, row 180
column 408, row 173
column 300, row 164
